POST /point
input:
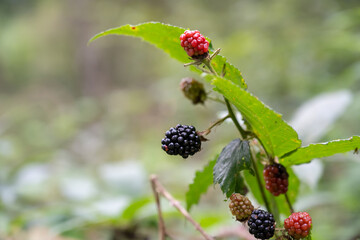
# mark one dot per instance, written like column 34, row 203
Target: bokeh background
column 80, row 126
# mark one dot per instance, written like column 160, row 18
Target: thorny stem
column 242, row 134
column 289, row 203
column 233, row 118
column 160, row 190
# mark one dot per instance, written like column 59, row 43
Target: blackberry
column 193, row 90
column 182, row 140
column 298, row 225
column 276, row 179
column 240, row 206
column 261, row 224
column 195, row 44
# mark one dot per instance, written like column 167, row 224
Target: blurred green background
column 80, row 126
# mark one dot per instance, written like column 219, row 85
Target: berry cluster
column 298, row 225
column 195, row 44
column 276, row 179
column 181, row 140
column 261, row 224
column 240, row 206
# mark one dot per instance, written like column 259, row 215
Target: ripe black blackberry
column 276, row 179
column 240, row 206
column 261, row 224
column 182, row 140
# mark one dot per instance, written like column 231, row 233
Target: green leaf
column 130, row 212
column 280, row 201
column 234, row 158
column 319, row 150
column 203, row 179
column 274, row 133
column 166, row 37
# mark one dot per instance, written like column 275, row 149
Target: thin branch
column 218, row 122
column 159, row 189
column 162, row 229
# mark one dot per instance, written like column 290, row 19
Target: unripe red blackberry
column 298, row 225
column 193, row 90
column 182, row 140
column 261, row 224
column 195, row 44
column 276, row 179
column 240, row 206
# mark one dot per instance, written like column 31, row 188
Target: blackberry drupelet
column 182, row 140
column 276, row 179
column 261, row 224
column 240, row 206
column 298, row 225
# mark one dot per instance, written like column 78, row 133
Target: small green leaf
column 319, row 150
column 280, row 201
column 203, row 179
column 274, row 133
column 130, row 212
column 166, row 37
column 234, row 158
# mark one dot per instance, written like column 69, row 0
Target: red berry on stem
column 195, row 44
column 298, row 225
column 276, row 179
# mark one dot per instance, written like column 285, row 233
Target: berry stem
column 289, row 203
column 215, row 99
column 207, row 63
column 218, row 122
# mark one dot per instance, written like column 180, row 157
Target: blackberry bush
column 182, row 140
column 265, row 135
column 240, row 206
column 261, row 224
column 276, row 179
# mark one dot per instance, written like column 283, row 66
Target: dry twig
column 158, row 189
